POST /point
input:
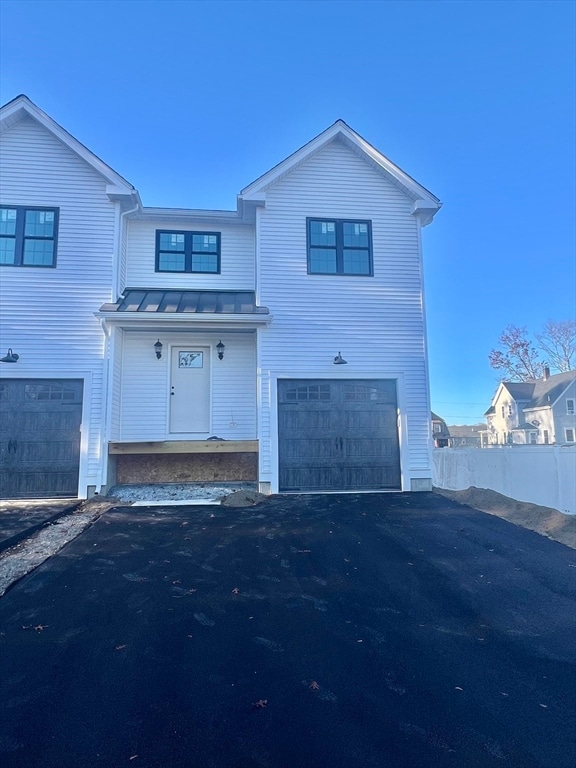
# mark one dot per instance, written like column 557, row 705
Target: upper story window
column 188, row 252
column 28, row 236
column 570, row 435
column 437, row 426
column 570, row 406
column 339, row 247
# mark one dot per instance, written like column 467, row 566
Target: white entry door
column 190, row 389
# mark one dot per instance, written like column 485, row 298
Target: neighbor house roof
column 547, row 392
column 538, row 393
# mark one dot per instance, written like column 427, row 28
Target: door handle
column 341, row 444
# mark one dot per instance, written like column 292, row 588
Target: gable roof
column 22, row 107
column 546, row 393
column 424, row 202
column 538, row 393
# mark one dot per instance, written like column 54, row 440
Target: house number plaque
column 190, row 359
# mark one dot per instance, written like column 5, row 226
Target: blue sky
column 191, row 101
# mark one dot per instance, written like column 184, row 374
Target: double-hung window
column 28, row 236
column 570, row 406
column 339, row 247
column 187, row 251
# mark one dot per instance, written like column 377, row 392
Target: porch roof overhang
column 151, row 308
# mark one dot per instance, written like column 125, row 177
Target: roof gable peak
column 22, row 107
column 424, row 202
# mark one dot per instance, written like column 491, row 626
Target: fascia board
column 188, row 215
column 191, row 318
column 22, row 105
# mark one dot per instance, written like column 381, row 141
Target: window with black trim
column 187, row 251
column 339, row 247
column 28, row 236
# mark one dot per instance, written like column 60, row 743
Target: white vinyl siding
column 146, row 385
column 376, row 322
column 47, row 315
column 236, row 258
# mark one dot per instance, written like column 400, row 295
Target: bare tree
column 517, row 357
column 558, row 342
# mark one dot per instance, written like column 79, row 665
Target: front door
column 190, row 390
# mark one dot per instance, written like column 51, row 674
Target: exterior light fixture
column 220, row 349
column 158, row 349
column 339, row 360
column 11, row 357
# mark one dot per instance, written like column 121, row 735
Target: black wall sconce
column 339, row 360
column 11, row 357
column 220, row 349
column 158, row 349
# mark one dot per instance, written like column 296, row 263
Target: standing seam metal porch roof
column 182, row 302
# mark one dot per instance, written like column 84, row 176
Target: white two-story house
column 281, row 343
column 536, row 412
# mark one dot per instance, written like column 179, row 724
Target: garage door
column 40, row 437
column 338, row 435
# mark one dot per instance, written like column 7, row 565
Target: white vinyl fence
column 544, row 475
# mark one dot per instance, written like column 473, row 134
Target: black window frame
column 339, row 246
column 20, row 237
column 189, row 253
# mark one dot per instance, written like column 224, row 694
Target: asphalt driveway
column 341, row 631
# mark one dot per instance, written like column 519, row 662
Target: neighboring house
column 466, row 435
column 538, row 412
column 281, row 343
column 440, row 432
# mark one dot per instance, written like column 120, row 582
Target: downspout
column 106, row 385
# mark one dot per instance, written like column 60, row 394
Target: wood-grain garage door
column 40, row 437
column 338, row 435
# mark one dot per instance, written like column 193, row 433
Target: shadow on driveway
column 341, row 631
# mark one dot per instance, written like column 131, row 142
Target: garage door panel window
column 28, row 236
column 339, row 247
column 309, row 392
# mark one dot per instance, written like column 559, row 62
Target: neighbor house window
column 533, row 438
column 546, row 437
column 570, row 406
column 188, row 252
column 339, row 247
column 509, row 410
column 28, row 236
column 569, row 435
column 437, row 427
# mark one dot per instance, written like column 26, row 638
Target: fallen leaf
column 457, row 688
column 120, row 647
column 260, row 704
column 235, row 591
column 133, row 757
column 544, row 706
column 314, row 686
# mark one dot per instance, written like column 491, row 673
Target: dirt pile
column 544, row 520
